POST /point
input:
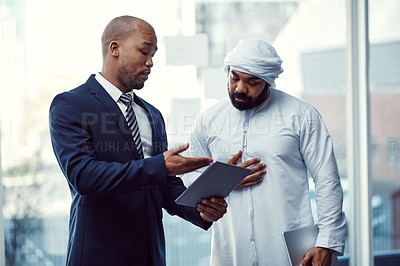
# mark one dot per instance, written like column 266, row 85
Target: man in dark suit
column 119, row 183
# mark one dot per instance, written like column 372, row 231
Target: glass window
column 374, row 151
column 385, row 130
column 48, row 47
column 45, row 51
column 315, row 70
column 391, row 151
column 314, row 60
column 398, row 152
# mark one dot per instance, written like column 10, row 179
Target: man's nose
column 241, row 87
column 149, row 61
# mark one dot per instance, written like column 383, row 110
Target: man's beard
column 128, row 80
column 249, row 103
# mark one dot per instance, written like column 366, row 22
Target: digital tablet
column 299, row 241
column 218, row 180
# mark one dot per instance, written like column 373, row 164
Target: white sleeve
column 197, row 148
column 317, row 150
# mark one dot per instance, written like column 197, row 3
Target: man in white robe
column 289, row 138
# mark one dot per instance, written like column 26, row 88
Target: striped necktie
column 126, row 99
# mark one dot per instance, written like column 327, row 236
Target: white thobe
column 289, row 136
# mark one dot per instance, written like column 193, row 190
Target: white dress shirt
column 289, row 136
column 141, row 114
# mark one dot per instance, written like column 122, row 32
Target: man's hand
column 213, row 209
column 257, row 171
column 177, row 164
column 317, row 256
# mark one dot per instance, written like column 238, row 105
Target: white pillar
column 358, row 134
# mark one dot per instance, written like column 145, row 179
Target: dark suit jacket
column 117, row 199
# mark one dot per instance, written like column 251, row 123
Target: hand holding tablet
column 218, row 180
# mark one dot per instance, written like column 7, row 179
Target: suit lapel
column 114, row 111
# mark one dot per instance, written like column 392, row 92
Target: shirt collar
column 113, row 91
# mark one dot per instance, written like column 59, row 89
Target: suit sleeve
column 174, row 189
column 86, row 173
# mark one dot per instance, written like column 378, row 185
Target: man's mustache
column 242, row 96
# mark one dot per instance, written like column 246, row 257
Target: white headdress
column 255, row 57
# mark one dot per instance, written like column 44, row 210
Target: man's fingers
column 190, row 164
column 210, row 215
column 258, row 168
column 317, row 256
column 197, row 162
column 235, row 158
column 305, row 260
column 177, row 165
column 213, row 209
column 254, row 178
column 249, row 183
column 179, row 149
column 249, row 162
column 214, row 205
column 218, row 203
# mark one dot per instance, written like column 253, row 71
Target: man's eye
column 144, row 52
column 253, row 82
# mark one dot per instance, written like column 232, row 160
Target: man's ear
column 114, row 48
